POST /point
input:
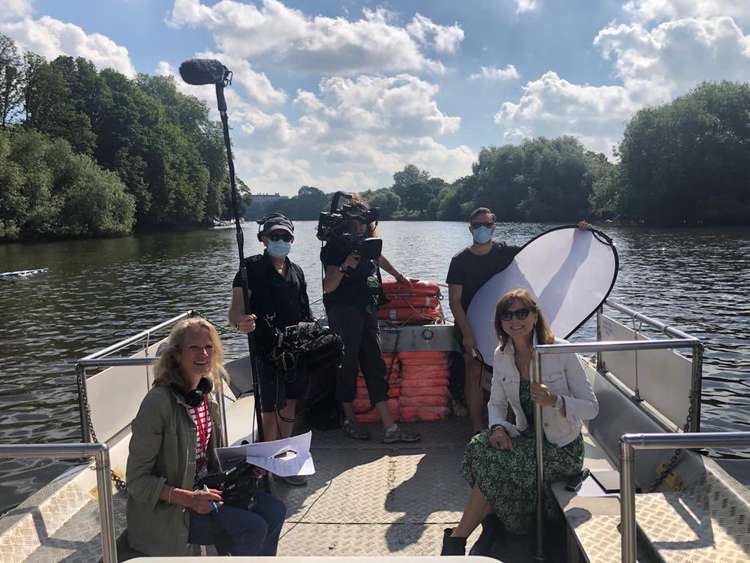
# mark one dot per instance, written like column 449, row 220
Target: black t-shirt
column 271, row 295
column 472, row 271
column 353, row 289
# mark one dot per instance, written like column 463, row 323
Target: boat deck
column 370, row 498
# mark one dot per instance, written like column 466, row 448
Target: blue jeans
column 235, row 531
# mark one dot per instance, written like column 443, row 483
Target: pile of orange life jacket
column 418, row 303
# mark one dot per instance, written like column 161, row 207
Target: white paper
column 286, row 457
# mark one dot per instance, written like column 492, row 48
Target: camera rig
column 334, row 226
column 335, row 222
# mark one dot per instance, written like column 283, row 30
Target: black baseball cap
column 275, row 222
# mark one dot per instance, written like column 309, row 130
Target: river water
column 100, row 291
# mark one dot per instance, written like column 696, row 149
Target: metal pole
column 135, row 338
column 627, row 503
column 536, row 377
column 696, row 388
column 599, row 360
column 100, row 453
column 106, row 514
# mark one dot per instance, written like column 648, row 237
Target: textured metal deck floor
column 369, row 498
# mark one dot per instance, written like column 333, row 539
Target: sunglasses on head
column 520, row 314
column 286, row 237
column 477, row 225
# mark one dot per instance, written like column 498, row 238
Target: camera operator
column 278, row 299
column 351, row 289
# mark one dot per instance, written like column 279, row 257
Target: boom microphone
column 204, row 71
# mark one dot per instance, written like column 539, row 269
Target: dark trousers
column 235, row 531
column 358, row 329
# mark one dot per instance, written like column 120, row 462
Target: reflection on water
column 97, row 292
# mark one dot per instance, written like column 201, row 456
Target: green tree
column 11, row 82
column 686, row 162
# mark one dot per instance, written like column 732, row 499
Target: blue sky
column 342, row 94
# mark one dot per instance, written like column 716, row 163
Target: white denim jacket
column 564, row 374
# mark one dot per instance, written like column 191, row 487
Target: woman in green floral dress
column 500, row 464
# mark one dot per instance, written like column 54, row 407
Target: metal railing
column 578, row 348
column 631, row 442
column 130, row 362
column 89, row 361
column 100, row 453
column 696, row 359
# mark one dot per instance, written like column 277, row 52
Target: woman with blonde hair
column 500, row 464
column 174, row 439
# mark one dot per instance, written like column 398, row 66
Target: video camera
column 334, row 226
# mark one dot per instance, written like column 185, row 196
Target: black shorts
column 277, row 385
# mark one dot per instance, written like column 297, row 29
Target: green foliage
column 687, row 162
column 159, row 143
column 52, row 192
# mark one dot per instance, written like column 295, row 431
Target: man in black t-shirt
column 468, row 271
column 278, row 299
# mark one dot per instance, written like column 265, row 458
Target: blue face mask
column 482, row 235
column 279, row 248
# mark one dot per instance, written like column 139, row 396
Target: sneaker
column 292, row 480
column 353, row 430
column 398, row 434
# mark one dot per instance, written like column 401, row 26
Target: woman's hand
column 351, row 262
column 246, row 324
column 500, row 440
column 203, row 502
column 542, row 395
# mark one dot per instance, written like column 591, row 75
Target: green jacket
column 162, row 451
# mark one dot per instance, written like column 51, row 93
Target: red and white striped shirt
column 203, row 427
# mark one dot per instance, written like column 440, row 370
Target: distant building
column 265, row 199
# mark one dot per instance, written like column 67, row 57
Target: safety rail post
column 659, row 441
column 600, row 366
column 100, row 453
column 536, row 377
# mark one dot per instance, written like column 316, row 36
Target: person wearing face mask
column 468, row 271
column 350, row 296
column 278, row 299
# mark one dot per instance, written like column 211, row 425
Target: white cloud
column 287, row 37
column 674, row 56
column 255, row 84
column 654, row 62
column 526, row 6
column 11, row 9
column 400, row 105
column 496, row 74
column 647, row 11
column 50, row 38
column 445, row 39
column 552, row 106
column 270, row 130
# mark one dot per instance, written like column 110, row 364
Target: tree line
column 88, row 153
column 687, row 162
column 93, row 153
